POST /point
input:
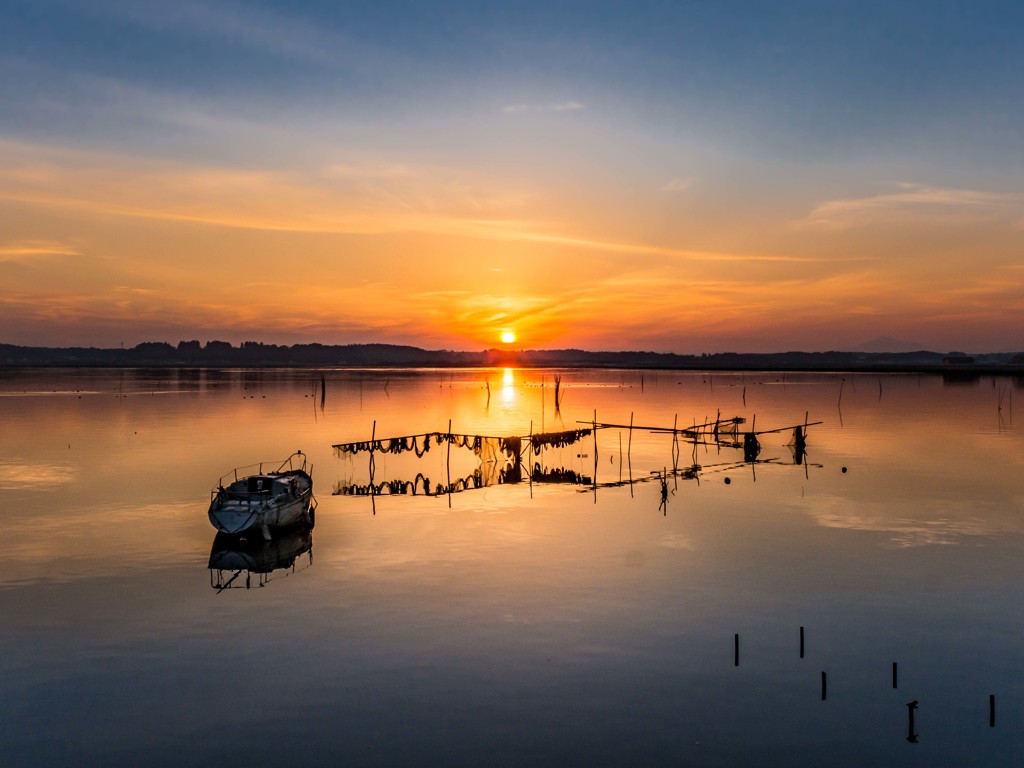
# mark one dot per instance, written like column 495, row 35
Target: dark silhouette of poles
column 629, row 448
column 373, row 494
column 594, row 432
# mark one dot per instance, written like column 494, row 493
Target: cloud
column 563, row 106
column 261, row 29
column 345, row 198
column 677, row 185
column 913, row 201
column 24, row 251
column 529, row 232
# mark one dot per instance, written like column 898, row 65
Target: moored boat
column 264, row 501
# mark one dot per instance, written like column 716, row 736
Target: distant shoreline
column 361, row 356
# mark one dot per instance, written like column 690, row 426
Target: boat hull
column 235, row 512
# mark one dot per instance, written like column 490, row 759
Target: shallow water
column 526, row 623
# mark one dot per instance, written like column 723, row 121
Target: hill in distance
column 251, row 354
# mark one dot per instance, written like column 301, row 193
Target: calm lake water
column 530, row 623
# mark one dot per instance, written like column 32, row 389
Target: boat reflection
column 231, row 557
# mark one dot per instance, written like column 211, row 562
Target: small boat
column 264, row 501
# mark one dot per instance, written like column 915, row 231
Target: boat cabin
column 263, row 484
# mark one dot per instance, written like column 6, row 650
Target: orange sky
column 153, row 206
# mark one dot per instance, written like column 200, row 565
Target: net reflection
column 513, row 459
column 488, row 474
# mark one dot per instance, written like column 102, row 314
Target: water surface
column 523, row 623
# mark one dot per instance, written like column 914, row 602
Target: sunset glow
column 239, row 171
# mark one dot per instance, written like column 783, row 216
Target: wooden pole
column 529, row 448
column 736, row 650
column 675, row 444
column 373, row 438
column 629, row 456
column 620, row 457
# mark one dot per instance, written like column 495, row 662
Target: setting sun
column 507, row 337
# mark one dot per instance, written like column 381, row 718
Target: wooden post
column 629, row 458
column 801, row 642
column 736, row 650
column 373, row 438
column 529, row 450
column 675, row 445
column 824, row 686
column 751, row 448
column 620, row 456
column 594, row 427
column 448, row 464
column 992, row 710
column 894, row 675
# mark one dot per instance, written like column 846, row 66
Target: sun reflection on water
column 508, row 385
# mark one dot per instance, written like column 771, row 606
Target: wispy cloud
column 247, row 25
column 33, row 250
column 561, row 106
column 344, row 198
column 530, row 232
column 676, row 185
column 373, row 198
column 913, row 201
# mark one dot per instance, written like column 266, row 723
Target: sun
column 507, row 337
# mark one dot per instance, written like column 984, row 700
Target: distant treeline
column 253, row 354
